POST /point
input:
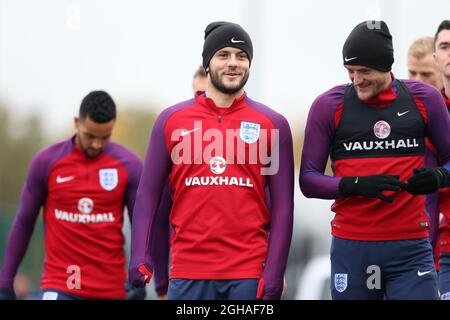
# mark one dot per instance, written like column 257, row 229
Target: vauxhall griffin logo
column 382, row 129
column 85, row 214
column 217, row 165
column 85, row 205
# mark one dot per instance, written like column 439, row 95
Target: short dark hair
column 99, row 106
column 445, row 25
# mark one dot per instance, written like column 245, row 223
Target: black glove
column 428, row 180
column 134, row 293
column 370, row 186
column 7, row 294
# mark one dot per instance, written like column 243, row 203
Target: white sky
column 53, row 52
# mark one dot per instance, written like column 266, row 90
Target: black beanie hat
column 221, row 34
column 369, row 44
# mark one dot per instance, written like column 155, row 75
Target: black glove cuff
column 444, row 177
column 347, row 186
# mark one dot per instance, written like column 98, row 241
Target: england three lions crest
column 249, row 132
column 109, row 178
column 340, row 281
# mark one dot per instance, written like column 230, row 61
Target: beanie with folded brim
column 221, row 34
column 369, row 44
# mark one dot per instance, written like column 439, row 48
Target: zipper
column 86, row 176
column 219, row 118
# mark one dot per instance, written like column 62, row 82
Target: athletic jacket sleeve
column 32, row 198
column 281, row 189
column 157, row 165
column 438, row 125
column 134, row 175
column 160, row 246
column 319, row 133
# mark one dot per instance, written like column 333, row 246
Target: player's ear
column 76, row 122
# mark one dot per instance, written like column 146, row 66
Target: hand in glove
column 428, row 180
column 371, row 186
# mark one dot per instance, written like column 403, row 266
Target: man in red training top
column 219, row 151
column 374, row 130
column 83, row 183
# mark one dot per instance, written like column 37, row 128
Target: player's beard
column 89, row 152
column 219, row 85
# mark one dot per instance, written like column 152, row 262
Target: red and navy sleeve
column 319, row 132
